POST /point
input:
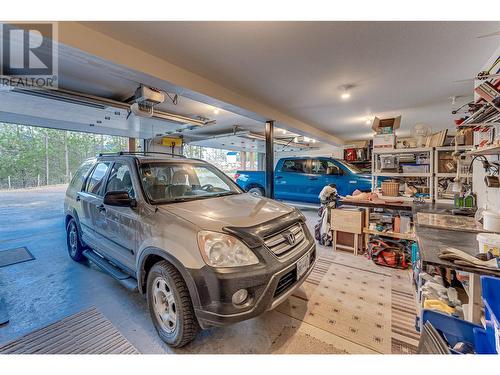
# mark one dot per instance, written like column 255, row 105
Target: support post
column 261, row 161
column 131, row 145
column 270, row 159
column 243, row 160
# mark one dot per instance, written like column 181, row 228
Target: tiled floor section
column 353, row 298
column 87, row 332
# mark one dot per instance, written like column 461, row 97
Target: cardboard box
column 384, row 141
column 387, row 125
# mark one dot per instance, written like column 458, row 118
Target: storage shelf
column 478, row 124
column 463, row 175
column 400, row 198
column 452, row 148
column 396, row 174
column 490, row 150
column 403, row 236
column 402, row 150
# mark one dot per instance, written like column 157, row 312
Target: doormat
column 13, row 256
column 4, row 315
column 356, row 300
column 86, row 332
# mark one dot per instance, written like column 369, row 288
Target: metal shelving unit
column 447, row 175
column 400, row 175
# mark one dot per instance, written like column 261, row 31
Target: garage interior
column 405, row 265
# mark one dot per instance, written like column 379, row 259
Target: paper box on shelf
column 384, row 141
column 386, row 125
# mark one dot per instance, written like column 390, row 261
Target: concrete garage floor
column 52, row 286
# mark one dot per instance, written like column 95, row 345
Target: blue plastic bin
column 457, row 330
column 491, row 299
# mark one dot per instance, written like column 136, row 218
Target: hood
column 241, row 210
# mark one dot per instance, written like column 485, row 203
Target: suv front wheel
column 170, row 305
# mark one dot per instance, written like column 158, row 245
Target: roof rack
column 142, row 153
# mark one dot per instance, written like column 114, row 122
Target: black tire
column 186, row 327
column 257, row 191
column 74, row 242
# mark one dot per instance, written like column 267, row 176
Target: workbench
column 430, row 243
column 387, row 205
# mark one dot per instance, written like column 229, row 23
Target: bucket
column 489, row 242
column 491, row 221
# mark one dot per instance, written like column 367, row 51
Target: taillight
column 236, row 176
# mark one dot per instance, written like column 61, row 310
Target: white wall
column 488, row 198
column 324, row 150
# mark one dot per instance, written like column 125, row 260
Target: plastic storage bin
column 457, row 330
column 491, row 299
column 415, row 168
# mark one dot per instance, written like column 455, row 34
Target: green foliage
column 23, row 153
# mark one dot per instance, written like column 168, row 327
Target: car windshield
column 175, row 182
column 350, row 166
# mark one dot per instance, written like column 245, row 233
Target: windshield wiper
column 224, row 194
column 195, row 197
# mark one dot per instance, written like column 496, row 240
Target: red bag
column 389, row 255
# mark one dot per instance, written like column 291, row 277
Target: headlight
column 222, row 250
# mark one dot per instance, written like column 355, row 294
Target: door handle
column 78, row 199
column 101, row 208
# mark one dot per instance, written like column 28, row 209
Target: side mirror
column 119, row 199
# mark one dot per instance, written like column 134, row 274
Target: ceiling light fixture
column 345, row 91
column 216, row 111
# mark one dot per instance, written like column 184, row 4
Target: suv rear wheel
column 170, row 305
column 75, row 248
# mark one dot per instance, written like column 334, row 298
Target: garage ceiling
column 408, row 68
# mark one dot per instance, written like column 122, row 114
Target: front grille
column 278, row 243
column 285, row 282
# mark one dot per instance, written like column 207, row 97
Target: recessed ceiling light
column 345, row 91
column 345, row 95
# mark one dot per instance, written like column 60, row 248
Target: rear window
column 78, row 179
column 295, row 165
column 94, row 182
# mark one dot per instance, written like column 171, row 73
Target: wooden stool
column 347, row 220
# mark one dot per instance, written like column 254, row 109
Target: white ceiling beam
column 196, row 87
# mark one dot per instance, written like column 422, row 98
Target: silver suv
column 179, row 230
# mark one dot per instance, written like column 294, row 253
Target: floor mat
column 13, row 256
column 352, row 298
column 301, row 343
column 86, row 332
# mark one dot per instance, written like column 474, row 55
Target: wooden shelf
column 403, row 236
column 396, row 174
column 489, row 150
column 478, row 124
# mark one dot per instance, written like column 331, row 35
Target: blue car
column 300, row 179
